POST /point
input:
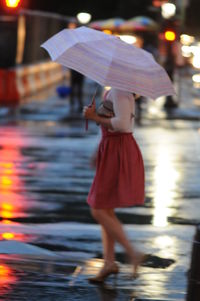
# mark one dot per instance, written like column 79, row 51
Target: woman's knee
column 98, row 213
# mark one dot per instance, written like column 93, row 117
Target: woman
column 119, row 179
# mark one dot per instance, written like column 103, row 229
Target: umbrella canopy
column 97, row 24
column 145, row 21
column 111, row 24
column 131, row 25
column 109, row 61
column 139, row 23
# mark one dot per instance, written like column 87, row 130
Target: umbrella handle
column 86, row 124
column 86, row 121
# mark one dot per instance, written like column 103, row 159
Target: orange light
column 6, row 221
column 6, row 206
column 7, row 165
column 72, row 25
column 7, row 276
column 6, row 211
column 107, row 31
column 158, row 3
column 6, row 181
column 170, row 35
column 4, row 270
column 12, row 3
column 8, row 236
column 6, row 214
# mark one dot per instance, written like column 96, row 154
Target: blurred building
column 22, row 33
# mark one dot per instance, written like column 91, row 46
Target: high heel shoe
column 104, row 273
column 139, row 260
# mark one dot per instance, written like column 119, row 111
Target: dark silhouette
column 170, row 65
column 77, row 80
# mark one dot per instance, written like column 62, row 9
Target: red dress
column 119, row 178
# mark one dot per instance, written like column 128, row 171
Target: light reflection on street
column 9, row 181
column 7, row 278
column 166, row 244
column 156, row 285
column 8, row 235
column 92, row 266
column 165, row 182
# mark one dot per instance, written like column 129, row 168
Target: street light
column 84, row 18
column 168, row 10
column 12, row 3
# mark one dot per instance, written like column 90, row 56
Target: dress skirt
column 119, row 178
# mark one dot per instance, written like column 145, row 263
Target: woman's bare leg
column 108, row 243
column 113, row 226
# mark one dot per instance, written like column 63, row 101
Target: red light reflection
column 7, row 277
column 10, row 204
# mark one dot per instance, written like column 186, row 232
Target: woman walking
column 119, row 179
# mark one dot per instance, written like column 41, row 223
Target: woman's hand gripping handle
column 89, row 112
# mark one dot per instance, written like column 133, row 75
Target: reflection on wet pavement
column 44, row 171
column 8, row 278
column 165, row 186
column 163, row 272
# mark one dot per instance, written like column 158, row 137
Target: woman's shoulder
column 118, row 94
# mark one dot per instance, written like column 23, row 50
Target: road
column 45, row 176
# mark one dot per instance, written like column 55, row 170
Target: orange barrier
column 23, row 81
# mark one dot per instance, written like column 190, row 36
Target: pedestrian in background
column 76, row 82
column 119, row 179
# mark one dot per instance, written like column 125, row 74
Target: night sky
column 102, row 9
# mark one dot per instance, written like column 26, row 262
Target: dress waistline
column 108, row 134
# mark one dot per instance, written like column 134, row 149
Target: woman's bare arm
column 90, row 113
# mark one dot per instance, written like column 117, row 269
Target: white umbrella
column 109, row 61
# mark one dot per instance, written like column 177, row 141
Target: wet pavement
column 45, row 176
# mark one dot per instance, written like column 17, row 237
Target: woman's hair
column 136, row 95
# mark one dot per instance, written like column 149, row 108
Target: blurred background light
column 196, row 61
column 107, row 31
column 186, row 39
column 8, row 236
column 195, row 49
column 170, row 35
column 128, row 39
column 84, row 18
column 168, row 10
column 186, row 51
column 12, row 3
column 196, row 78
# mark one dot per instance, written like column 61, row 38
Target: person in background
column 76, row 82
column 148, row 42
column 174, row 63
